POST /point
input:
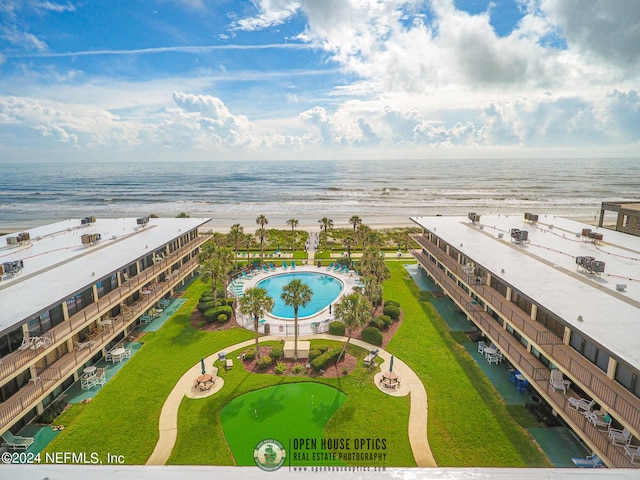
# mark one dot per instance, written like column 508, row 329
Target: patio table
column 90, row 371
column 117, row 353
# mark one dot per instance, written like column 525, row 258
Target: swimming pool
column 325, row 288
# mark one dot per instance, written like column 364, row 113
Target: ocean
column 380, row 192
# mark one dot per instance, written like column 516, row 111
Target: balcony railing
column 531, row 367
column 29, row 395
column 18, row 359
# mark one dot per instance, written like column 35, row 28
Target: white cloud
column 22, row 39
column 271, row 13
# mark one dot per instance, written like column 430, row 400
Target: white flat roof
column 57, row 264
column 545, row 270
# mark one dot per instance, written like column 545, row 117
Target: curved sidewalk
column 417, row 428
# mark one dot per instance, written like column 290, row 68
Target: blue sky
column 305, row 79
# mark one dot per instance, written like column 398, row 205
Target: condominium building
column 551, row 294
column 627, row 216
column 71, row 290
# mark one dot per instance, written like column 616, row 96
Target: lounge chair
column 633, row 452
column 558, row 382
column 620, row 437
column 16, row 442
column 284, row 265
column 264, row 268
column 330, row 267
column 599, row 420
column 581, row 404
column 82, row 345
column 272, row 267
column 592, row 461
column 293, row 265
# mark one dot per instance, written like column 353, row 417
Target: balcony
column 58, row 334
column 623, row 405
column 47, row 379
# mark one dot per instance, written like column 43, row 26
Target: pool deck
column 316, row 323
column 419, row 409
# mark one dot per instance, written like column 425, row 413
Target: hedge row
column 216, row 314
column 324, row 360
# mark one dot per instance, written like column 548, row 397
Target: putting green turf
column 285, row 413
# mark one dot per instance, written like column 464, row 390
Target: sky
column 109, row 80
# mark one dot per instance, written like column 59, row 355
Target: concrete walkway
column 417, row 428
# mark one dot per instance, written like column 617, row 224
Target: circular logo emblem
column 269, row 455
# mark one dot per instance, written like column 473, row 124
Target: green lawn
column 468, row 424
column 123, row 418
column 366, row 412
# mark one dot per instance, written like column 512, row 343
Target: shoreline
column 223, row 223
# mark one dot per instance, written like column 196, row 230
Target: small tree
column 262, row 234
column 255, row 303
column 326, row 223
column 356, row 221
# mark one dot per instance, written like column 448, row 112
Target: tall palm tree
column 326, row 223
column 355, row 311
column 356, row 221
column 362, row 235
column 262, row 234
column 236, row 236
column 209, row 271
column 293, row 223
column 255, row 303
column 348, row 243
column 262, row 221
column 296, row 294
column 247, row 240
column 224, row 258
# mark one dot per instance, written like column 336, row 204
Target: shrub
column 280, row 368
column 392, row 303
column 376, row 322
column 222, row 318
column 372, row 335
column 207, row 297
column 386, row 319
column 213, row 314
column 314, row 354
column 323, row 349
column 392, row 311
column 276, row 352
column 204, row 306
column 336, row 328
column 54, row 411
column 264, row 362
column 297, row 369
column 250, row 353
column 327, row 358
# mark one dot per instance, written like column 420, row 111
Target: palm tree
column 236, row 235
column 247, row 240
column 296, row 294
column 326, row 223
column 348, row 243
column 224, row 258
column 355, row 311
column 262, row 221
column 355, row 221
column 209, row 271
column 293, row 223
column 255, row 303
column 362, row 235
column 262, row 234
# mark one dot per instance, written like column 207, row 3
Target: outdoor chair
column 592, row 461
column 558, row 382
column 620, row 437
column 16, row 442
column 581, row 404
column 493, row 358
column 481, row 346
column 633, row 452
column 599, row 420
column 82, row 345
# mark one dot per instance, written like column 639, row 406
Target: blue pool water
column 325, row 290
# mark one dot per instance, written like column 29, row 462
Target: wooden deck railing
column 532, row 368
column 32, row 393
